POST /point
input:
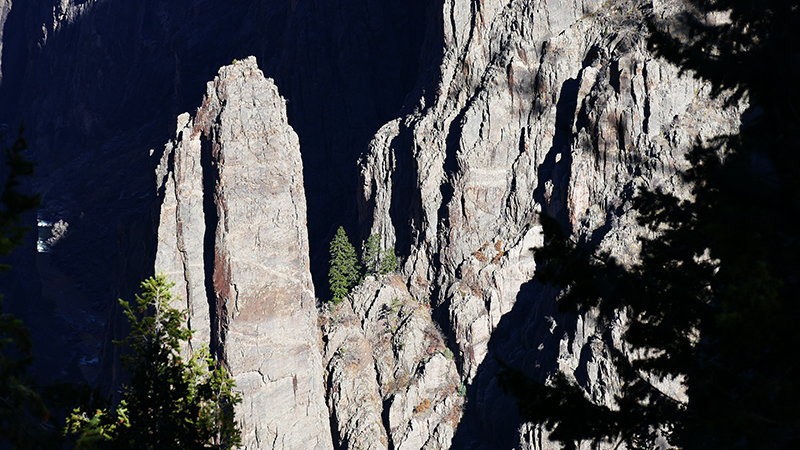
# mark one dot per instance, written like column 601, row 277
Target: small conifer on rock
column 389, row 263
column 372, row 255
column 345, row 271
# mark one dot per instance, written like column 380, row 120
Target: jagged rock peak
column 232, row 236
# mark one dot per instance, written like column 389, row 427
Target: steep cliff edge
column 232, row 235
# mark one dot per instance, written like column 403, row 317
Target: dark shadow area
column 615, row 75
column 387, row 405
column 451, row 168
column 405, row 217
column 557, row 166
column 336, row 437
column 101, row 91
column 346, row 68
column 211, row 216
column 527, row 338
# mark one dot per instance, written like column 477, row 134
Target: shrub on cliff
column 345, row 271
column 372, row 252
column 171, row 402
column 389, row 262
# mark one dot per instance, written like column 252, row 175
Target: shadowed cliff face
column 99, row 84
column 345, row 68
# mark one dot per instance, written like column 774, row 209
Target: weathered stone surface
column 354, row 397
column 233, row 236
column 538, row 106
column 390, row 383
column 182, row 227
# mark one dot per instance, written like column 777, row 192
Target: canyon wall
column 532, row 108
column 99, row 84
column 443, row 127
column 553, row 107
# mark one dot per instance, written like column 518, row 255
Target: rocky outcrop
column 5, row 7
column 233, row 237
column 538, row 106
column 392, row 382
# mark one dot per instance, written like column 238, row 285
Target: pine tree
column 714, row 298
column 376, row 260
column 171, row 402
column 389, row 263
column 345, row 271
column 373, row 255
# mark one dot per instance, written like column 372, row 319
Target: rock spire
column 232, row 236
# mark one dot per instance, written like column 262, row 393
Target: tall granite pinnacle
column 232, row 236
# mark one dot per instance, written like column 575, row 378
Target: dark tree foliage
column 14, row 203
column 715, row 297
column 25, row 420
column 31, row 413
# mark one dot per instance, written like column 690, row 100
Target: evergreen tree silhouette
column 715, row 298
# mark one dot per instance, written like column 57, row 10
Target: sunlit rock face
column 232, row 235
column 536, row 106
column 392, row 381
column 530, row 108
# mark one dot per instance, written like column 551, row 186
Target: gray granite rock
column 537, row 106
column 233, row 237
column 391, row 384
